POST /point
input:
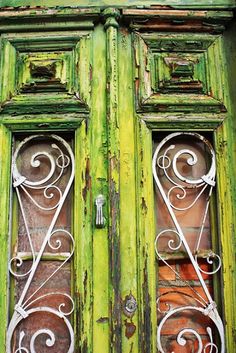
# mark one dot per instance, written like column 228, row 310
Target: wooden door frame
column 129, row 131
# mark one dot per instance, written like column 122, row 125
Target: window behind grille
column 42, row 245
column 185, row 179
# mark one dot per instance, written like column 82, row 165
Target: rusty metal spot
column 130, row 329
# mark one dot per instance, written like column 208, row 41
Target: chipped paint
column 102, row 320
column 87, row 179
column 125, row 3
column 113, row 141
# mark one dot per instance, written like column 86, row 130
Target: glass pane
column 184, row 173
column 40, row 265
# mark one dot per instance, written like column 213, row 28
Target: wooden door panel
column 115, row 79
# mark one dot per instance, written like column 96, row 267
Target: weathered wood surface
column 110, row 100
column 120, row 3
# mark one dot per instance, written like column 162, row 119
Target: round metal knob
column 130, row 305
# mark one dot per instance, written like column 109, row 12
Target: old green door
column 94, row 254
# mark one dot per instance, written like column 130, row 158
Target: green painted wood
column 218, row 61
column 18, row 88
column 176, row 122
column 189, row 104
column 7, row 83
column 113, row 147
column 113, row 130
column 19, row 26
column 92, row 261
column 160, row 90
column 5, row 180
column 227, row 196
column 12, row 245
column 99, row 175
column 44, row 122
column 120, row 3
column 146, row 239
column 32, row 104
column 33, row 42
column 226, row 231
column 128, row 227
column 83, row 262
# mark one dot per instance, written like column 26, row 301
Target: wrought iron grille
column 170, row 161
column 42, row 182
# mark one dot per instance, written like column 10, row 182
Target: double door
column 94, row 251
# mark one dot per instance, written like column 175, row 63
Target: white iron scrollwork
column 174, row 186
column 59, row 160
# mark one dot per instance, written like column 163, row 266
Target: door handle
column 100, row 219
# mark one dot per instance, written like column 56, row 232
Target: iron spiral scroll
column 60, row 160
column 165, row 162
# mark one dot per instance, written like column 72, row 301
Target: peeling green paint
column 100, row 73
column 113, row 3
column 5, row 162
